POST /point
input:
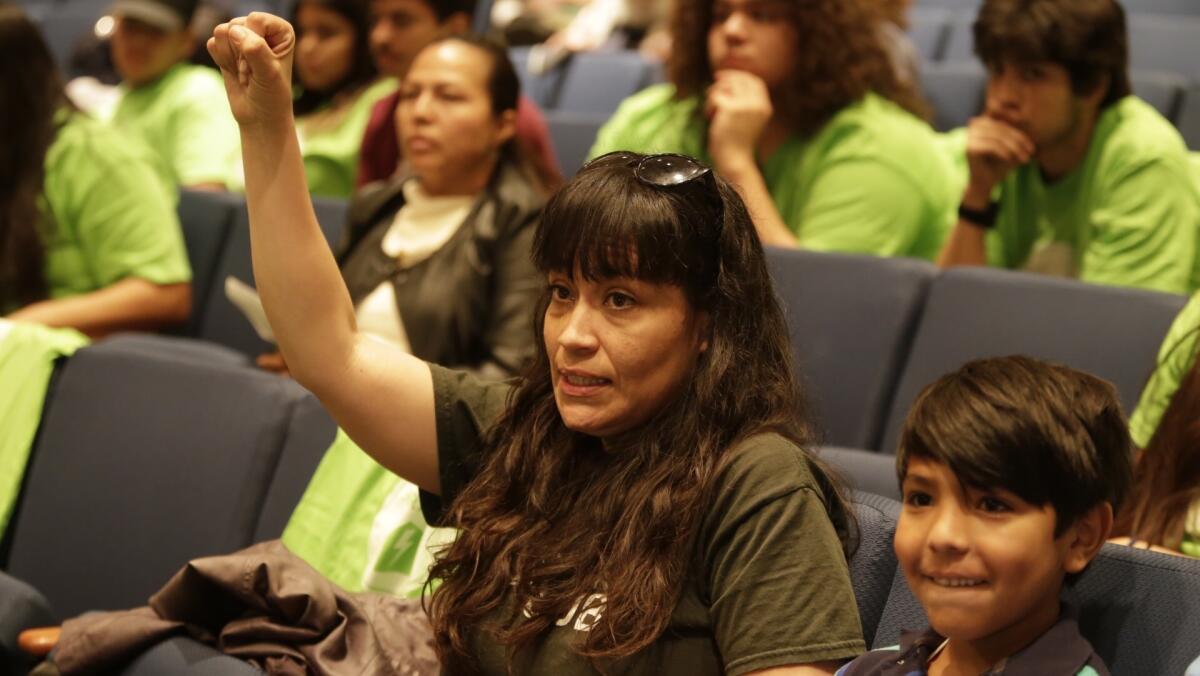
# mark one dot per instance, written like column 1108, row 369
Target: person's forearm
column 132, row 304
column 750, row 185
column 967, row 243
column 302, row 290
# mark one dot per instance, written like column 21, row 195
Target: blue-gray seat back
column 1136, row 607
column 1165, row 43
column 573, row 135
column 310, row 432
column 873, row 563
column 1162, row 90
column 955, row 90
column 851, row 321
column 863, row 470
column 207, row 218
column 1189, row 117
column 144, row 461
column 542, row 87
column 971, row 313
column 598, row 82
column 223, row 323
column 929, row 29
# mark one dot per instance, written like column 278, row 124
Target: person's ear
column 1086, row 536
column 458, row 23
column 506, row 127
column 1099, row 91
column 185, row 44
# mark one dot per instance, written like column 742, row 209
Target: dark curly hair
column 542, row 509
column 840, row 57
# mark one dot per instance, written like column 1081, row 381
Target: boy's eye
column 918, row 499
column 991, row 504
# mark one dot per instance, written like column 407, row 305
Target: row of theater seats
column 1164, row 61
column 869, row 333
column 154, row 450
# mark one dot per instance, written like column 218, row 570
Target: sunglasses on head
column 663, row 170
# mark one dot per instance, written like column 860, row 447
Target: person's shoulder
column 85, row 142
column 766, row 464
column 1133, row 133
column 193, row 85
column 658, row 103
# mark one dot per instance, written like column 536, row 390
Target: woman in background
column 89, row 237
column 336, row 84
column 437, row 260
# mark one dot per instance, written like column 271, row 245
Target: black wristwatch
column 984, row 218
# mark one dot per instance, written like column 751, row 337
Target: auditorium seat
column 1165, row 43
column 973, row 312
column 144, row 461
column 1163, row 90
column 206, row 218
column 929, row 29
column 1136, row 607
column 864, row 470
column 541, row 87
column 851, row 320
column 873, row 562
column 955, row 90
column 573, row 135
column 598, row 82
column 223, row 323
column 1189, row 117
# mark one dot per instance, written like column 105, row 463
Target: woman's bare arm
column 131, row 304
column 381, row 396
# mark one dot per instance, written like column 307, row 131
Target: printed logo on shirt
column 584, row 615
column 401, row 549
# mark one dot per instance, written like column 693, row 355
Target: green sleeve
column 204, row 137
column 774, row 603
column 1144, row 229
column 862, row 206
column 116, row 209
column 653, row 121
column 1175, row 359
column 465, row 408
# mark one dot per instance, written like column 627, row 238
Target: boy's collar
column 1061, row 650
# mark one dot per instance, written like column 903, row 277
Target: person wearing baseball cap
column 171, row 105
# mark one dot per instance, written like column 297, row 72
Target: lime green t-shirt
column 1176, row 358
column 1127, row 216
column 108, row 213
column 870, row 181
column 184, row 116
column 27, row 355
column 331, row 137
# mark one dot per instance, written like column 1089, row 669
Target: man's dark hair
column 1087, row 37
column 444, row 9
column 1045, row 432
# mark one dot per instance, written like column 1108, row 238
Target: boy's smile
column 986, row 565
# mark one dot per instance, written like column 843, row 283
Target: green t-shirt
column 870, row 181
column 767, row 584
column 109, row 214
column 1127, row 216
column 331, row 137
column 27, row 355
column 184, row 116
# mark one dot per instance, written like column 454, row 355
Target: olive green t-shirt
column 768, row 584
column 331, row 137
column 870, row 181
column 1127, row 216
column 107, row 211
column 184, row 116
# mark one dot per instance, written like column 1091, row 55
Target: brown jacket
column 265, row 605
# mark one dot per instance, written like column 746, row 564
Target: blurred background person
column 89, row 238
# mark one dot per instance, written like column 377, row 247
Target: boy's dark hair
column 1045, row 432
column 444, row 9
column 1087, row 37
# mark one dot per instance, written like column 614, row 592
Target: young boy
column 1010, row 470
column 175, row 108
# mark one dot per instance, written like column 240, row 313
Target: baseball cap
column 169, row 15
